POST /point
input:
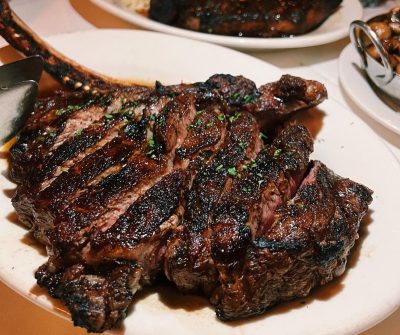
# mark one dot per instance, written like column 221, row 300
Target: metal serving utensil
column 381, row 75
column 18, row 93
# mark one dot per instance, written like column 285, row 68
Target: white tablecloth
column 49, row 17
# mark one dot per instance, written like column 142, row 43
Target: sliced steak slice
column 248, row 205
column 187, row 258
column 307, row 245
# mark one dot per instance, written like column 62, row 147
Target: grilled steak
column 260, row 18
column 125, row 184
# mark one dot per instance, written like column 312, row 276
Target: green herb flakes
column 249, row 99
column 262, row 136
column 69, row 108
column 151, row 148
column 277, row 152
column 246, row 189
column 232, row 171
column 219, row 167
column 235, row 117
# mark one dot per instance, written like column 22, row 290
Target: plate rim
column 241, row 43
column 350, row 56
column 54, row 310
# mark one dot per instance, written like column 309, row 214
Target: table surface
column 50, row 17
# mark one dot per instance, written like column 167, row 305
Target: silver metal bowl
column 381, row 73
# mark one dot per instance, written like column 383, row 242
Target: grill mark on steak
column 117, row 151
column 204, row 133
column 43, row 132
column 88, row 172
column 77, row 147
column 140, row 233
column 104, row 202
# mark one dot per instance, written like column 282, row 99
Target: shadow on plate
column 99, row 17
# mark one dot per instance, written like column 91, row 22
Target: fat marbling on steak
column 251, row 18
column 124, row 184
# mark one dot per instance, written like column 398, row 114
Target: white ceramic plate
column 333, row 29
column 354, row 82
column 367, row 293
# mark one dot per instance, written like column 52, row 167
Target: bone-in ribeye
column 179, row 180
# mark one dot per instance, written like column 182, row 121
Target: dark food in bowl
column 251, row 18
column 387, row 28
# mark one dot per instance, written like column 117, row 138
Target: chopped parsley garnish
column 200, row 112
column 210, row 124
column 78, row 132
column 219, row 167
column 232, row 171
column 253, row 165
column 234, row 117
column 69, row 108
column 249, row 99
column 196, row 124
column 246, row 189
column 152, row 117
column 262, row 136
column 277, row 152
column 221, row 117
column 236, row 96
column 108, row 116
column 151, row 148
column 242, row 145
column 128, row 112
column 161, row 120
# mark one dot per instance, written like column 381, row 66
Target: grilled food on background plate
column 248, row 18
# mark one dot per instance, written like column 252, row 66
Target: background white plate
column 367, row 293
column 353, row 80
column 333, row 29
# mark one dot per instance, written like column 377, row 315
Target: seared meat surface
column 179, row 180
column 252, row 18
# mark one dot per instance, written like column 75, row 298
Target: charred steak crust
column 273, row 18
column 125, row 186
